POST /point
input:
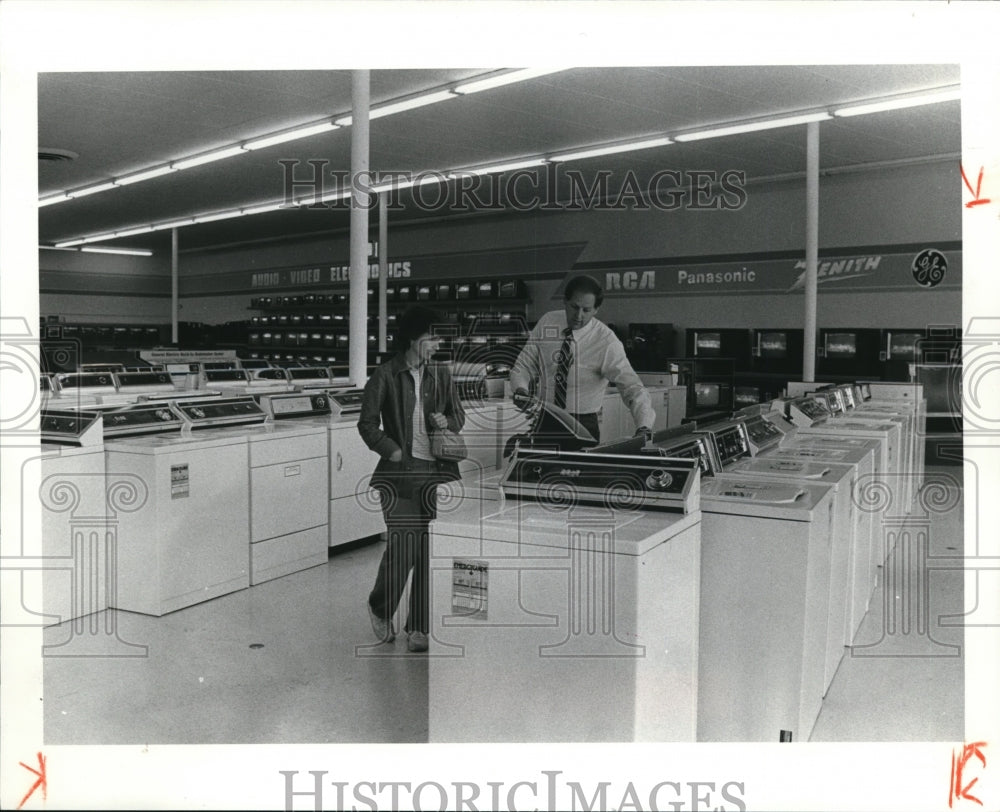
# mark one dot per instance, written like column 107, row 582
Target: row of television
column 404, row 292
column 942, row 389
column 839, row 351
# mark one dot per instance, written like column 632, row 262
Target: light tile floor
column 291, row 660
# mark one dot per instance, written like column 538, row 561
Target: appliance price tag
column 180, row 481
column 470, row 588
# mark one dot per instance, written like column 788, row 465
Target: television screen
column 485, row 290
column 841, row 345
column 903, row 346
column 708, row 344
column 463, row 292
column 423, row 293
column 404, row 292
column 746, row 396
column 444, row 291
column 707, row 394
column 774, row 345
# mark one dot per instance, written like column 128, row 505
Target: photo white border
column 156, row 35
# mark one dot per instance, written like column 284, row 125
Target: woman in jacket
column 404, row 400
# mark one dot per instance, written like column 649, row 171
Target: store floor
column 292, row 660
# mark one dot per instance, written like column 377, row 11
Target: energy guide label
column 470, row 588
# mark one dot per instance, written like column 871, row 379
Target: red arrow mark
column 975, row 192
column 41, row 782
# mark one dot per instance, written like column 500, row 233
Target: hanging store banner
column 890, row 270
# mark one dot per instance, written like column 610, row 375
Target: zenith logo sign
column 837, row 270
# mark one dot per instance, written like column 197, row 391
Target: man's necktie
column 563, row 360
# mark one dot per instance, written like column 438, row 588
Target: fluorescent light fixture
column 133, row 231
column 149, row 173
column 753, row 126
column 501, row 79
column 411, row 104
column 225, row 215
column 173, row 224
column 900, row 103
column 48, row 201
column 208, row 157
column 89, row 190
column 262, row 209
column 489, row 170
column 134, row 252
column 99, row 237
column 69, row 243
column 54, row 248
column 611, row 149
column 290, row 135
column 420, row 179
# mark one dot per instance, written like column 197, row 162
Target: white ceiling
column 123, row 122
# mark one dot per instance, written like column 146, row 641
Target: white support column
column 174, row 285
column 812, row 250
column 358, row 346
column 383, row 267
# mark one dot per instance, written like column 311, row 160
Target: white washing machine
column 788, row 512
column 73, row 583
column 889, row 465
column 765, row 570
column 289, row 478
column 862, row 558
column 567, row 610
column 83, row 390
column 846, row 546
column 838, row 403
column 189, row 539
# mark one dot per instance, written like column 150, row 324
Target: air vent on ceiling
column 55, row 155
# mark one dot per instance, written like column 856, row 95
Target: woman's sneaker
column 416, row 641
column 381, row 626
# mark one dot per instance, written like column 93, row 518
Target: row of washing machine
column 157, row 505
column 738, row 640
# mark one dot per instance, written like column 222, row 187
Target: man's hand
column 521, row 398
column 644, row 431
column 439, row 420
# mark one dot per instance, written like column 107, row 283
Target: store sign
column 186, row 356
column 859, row 272
column 334, row 274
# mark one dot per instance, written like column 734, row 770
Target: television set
column 443, row 291
column 485, row 290
column 463, row 291
column 424, row 293
column 903, row 346
column 315, row 339
column 773, row 345
column 746, row 396
column 708, row 345
column 708, row 395
column 841, row 345
column 404, row 293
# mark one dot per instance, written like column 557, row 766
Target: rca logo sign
column 630, row 280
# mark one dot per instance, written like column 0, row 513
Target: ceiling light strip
column 475, row 86
column 899, row 103
column 752, row 126
column 133, row 252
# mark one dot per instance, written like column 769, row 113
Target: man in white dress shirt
column 573, row 356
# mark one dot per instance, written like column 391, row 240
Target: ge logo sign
column 929, row 267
